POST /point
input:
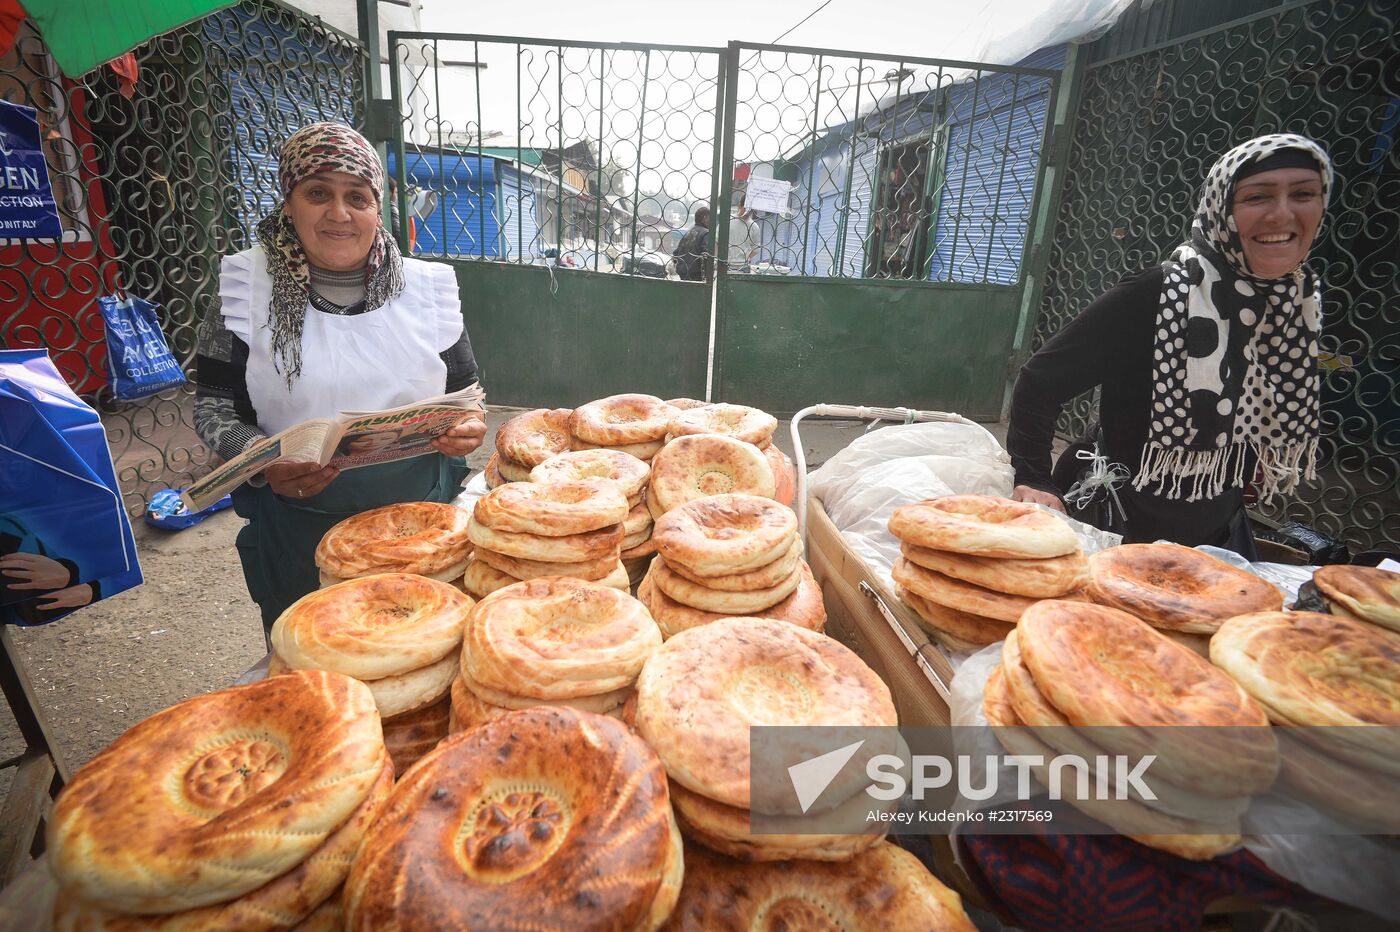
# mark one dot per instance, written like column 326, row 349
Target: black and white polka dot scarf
column 1235, row 359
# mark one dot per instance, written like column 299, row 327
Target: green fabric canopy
column 82, row 34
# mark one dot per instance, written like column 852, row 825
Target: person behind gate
column 692, row 252
column 1207, row 364
column 324, row 315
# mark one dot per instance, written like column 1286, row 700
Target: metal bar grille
column 1149, row 127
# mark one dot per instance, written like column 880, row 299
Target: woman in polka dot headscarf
column 1207, row 364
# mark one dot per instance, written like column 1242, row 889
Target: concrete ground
column 192, row 628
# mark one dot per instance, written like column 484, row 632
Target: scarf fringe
column 1203, row 474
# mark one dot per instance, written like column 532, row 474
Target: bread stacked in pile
column 630, row 474
column 1361, row 593
column 551, row 641
column 972, row 564
column 1183, row 593
column 1335, row 684
column 425, row 538
column 528, row 530
column 737, row 422
column 702, row 690
column 729, row 555
column 525, row 441
column 239, row 809
column 632, row 423
column 1127, row 690
column 546, row 818
column 397, row 633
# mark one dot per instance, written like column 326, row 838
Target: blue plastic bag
column 138, row 357
column 65, row 539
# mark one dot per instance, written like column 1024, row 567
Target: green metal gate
column 1148, row 127
column 155, row 183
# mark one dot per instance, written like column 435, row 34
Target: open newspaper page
column 366, row 438
column 299, row 443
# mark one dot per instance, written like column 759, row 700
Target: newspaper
column 358, row 438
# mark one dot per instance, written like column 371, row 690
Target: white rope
column 1101, row 475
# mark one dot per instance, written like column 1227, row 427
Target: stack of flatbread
column 743, row 423
column 528, row 530
column 631, row 423
column 239, row 809
column 697, row 698
column 972, row 564
column 729, row 555
column 525, row 441
column 547, row 818
column 1335, row 684
column 397, row 633
column 426, row 538
column 553, row 641
column 1361, row 593
column 1093, row 682
column 630, row 474
column 1184, row 593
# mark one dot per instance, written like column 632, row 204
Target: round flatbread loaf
column 289, row 900
column 764, row 577
column 452, row 575
column 511, row 471
column 638, row 520
column 746, row 602
column 803, row 608
column 533, row 437
column 397, row 695
column 629, row 472
column 1101, row 666
column 495, row 817
column 521, row 568
column 1311, row 669
column 642, row 552
column 685, row 404
column 738, row 421
column 492, row 472
column 573, row 548
column 702, row 465
column 469, row 710
column 482, row 579
column 956, row 594
column 601, row 703
column 621, row 420
column 1185, row 838
column 413, row 537
column 983, row 525
column 701, row 691
column 726, row 829
column 723, row 893
column 217, row 795
column 1365, row 592
column 784, row 475
column 964, row 627
column 1037, row 579
column 556, row 638
column 409, row 736
column 1170, row 586
column 372, row 627
column 725, row 534
column 552, row 509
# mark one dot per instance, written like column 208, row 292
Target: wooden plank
column 25, row 808
column 24, row 703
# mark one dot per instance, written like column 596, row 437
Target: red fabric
column 127, row 72
column 11, row 15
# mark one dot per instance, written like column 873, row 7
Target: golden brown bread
column 803, row 608
column 217, row 795
column 287, row 901
column 1176, row 587
column 700, row 692
column 629, row 472
column 412, row 537
column 963, row 627
column 622, row 420
column 492, row 472
column 725, row 534
column 557, row 638
column 521, row 568
column 409, row 736
column 885, row 887
column 573, row 548
column 511, row 471
column 1046, row 578
column 481, row 579
column 702, row 465
column 373, row 626
column 1101, row 666
column 763, row 577
column 983, row 525
column 725, row 829
column 746, row 602
column 1366, row 592
column 738, row 421
column 552, row 509
column 533, row 437
column 784, row 475
column 956, row 594
column 601, row 703
column 561, row 810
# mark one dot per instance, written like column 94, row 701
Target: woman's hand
column 462, row 438
column 72, row 597
column 299, row 480
column 1024, row 493
column 35, row 571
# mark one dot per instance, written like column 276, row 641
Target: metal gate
column 155, row 182
column 1148, row 128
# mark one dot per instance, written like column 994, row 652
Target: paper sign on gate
column 770, row 194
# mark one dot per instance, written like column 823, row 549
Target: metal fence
column 1149, row 126
column 156, row 181
column 530, row 151
column 856, row 166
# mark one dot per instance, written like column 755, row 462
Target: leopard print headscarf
column 320, row 147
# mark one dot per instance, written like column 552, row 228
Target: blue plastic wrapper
column 167, row 511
